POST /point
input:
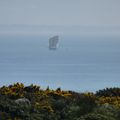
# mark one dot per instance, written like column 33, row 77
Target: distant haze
column 60, row 12
column 88, row 56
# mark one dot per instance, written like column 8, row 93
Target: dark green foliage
column 32, row 88
column 55, row 104
column 109, row 92
column 94, row 116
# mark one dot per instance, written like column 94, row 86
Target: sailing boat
column 53, row 42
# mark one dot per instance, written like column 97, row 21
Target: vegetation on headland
column 19, row 102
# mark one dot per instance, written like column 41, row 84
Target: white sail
column 53, row 42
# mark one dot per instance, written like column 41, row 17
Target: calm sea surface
column 80, row 63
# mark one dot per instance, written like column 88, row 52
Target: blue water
column 81, row 63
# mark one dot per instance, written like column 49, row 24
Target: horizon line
column 40, row 25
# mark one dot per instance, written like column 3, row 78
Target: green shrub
column 94, row 116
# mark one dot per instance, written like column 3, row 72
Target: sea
column 80, row 63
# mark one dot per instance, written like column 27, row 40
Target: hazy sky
column 60, row 12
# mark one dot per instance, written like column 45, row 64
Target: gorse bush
column 109, row 92
column 19, row 102
column 94, row 116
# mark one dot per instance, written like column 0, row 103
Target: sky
column 60, row 12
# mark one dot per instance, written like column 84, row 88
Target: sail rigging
column 53, row 42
